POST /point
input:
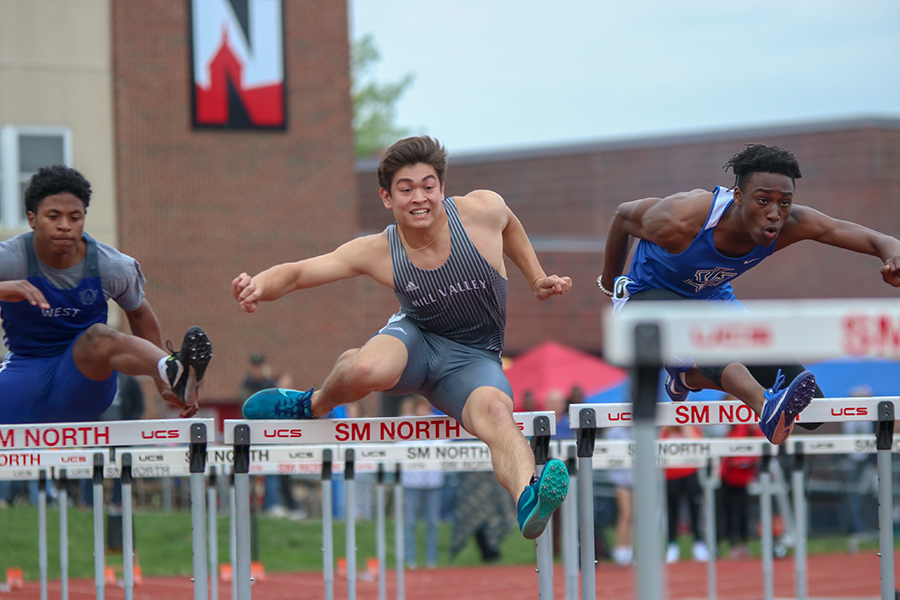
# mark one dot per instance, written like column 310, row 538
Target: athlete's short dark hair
column 412, row 151
column 57, row 179
column 758, row 158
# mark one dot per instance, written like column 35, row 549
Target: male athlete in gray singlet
column 444, row 260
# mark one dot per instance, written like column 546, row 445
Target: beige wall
column 56, row 70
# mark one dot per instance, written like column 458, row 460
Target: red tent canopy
column 554, row 366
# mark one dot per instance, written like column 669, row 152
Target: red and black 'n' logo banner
column 237, row 56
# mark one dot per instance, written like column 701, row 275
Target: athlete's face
column 765, row 204
column 58, row 224
column 415, row 196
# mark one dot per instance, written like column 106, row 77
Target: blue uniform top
column 463, row 300
column 699, row 273
column 39, row 332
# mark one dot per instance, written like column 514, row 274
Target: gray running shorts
column 444, row 371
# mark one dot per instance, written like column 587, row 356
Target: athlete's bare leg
column 488, row 415
column 375, row 367
column 736, row 380
column 101, row 350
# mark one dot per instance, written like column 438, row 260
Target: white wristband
column 603, row 289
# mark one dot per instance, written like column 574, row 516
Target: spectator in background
column 482, row 509
column 558, row 403
column 278, row 501
column 683, row 486
column 623, row 479
column 737, row 473
column 422, row 491
column 127, row 405
column 528, row 402
column 258, row 378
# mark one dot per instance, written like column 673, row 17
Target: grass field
column 163, row 543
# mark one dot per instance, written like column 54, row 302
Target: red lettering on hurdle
column 405, row 430
column 161, row 434
column 871, row 335
column 283, row 433
column 622, row 416
column 850, row 411
column 691, row 414
column 8, row 439
column 358, row 433
column 423, row 430
column 20, row 460
column 453, row 429
column 732, row 336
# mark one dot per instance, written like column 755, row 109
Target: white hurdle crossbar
column 68, row 445
column 647, row 334
column 350, row 433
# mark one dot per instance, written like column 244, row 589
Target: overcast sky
column 512, row 74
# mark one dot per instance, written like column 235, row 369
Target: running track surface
column 832, row 577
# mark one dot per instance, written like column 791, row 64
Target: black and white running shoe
column 186, row 367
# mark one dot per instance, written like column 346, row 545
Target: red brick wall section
column 850, row 171
column 198, row 207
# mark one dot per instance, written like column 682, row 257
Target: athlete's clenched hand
column 246, row 292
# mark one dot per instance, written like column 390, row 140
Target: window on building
column 23, row 150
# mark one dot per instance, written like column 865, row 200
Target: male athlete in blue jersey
column 691, row 245
column 63, row 359
column 444, row 260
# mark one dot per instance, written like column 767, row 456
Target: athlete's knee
column 98, row 338
column 367, row 372
column 489, row 409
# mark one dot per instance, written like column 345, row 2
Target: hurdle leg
column 350, row 524
column 585, row 438
column 570, row 530
column 380, row 549
column 42, row 531
column 327, row 526
column 232, row 536
column 645, row 390
column 242, row 510
column 213, row 531
column 765, row 505
column 883, row 443
column 127, row 528
column 99, row 566
column 709, row 513
column 198, row 510
column 399, row 541
column 540, row 444
column 63, row 536
column 800, row 521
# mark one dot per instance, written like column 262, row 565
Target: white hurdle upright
column 349, row 434
column 60, row 445
column 645, row 335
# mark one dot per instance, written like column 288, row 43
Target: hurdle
column 642, row 337
column 62, row 445
column 348, row 433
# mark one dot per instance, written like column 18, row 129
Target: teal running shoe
column 783, row 406
column 542, row 497
column 279, row 403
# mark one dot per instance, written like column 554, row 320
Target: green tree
column 374, row 104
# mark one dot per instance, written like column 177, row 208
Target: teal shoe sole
column 552, row 489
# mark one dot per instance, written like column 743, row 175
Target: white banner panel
column 769, row 332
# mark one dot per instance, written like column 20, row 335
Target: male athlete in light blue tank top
column 693, row 244
column 54, row 284
column 444, row 260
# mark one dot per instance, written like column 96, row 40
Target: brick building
column 566, row 196
column 196, row 206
